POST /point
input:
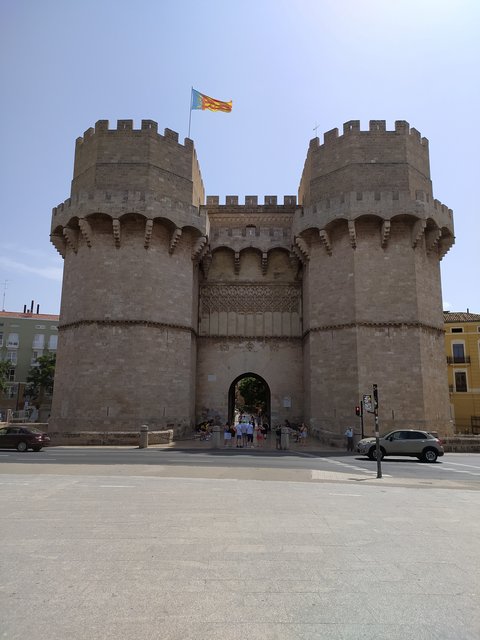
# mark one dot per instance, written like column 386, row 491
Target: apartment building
column 462, row 344
column 24, row 337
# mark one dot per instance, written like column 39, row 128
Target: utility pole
column 377, row 434
column 5, row 286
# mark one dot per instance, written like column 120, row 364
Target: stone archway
column 232, row 395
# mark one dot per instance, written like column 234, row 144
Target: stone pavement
column 125, row 556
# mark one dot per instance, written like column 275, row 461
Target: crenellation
column 377, row 125
column 170, row 135
column 251, row 202
column 402, row 126
column 414, row 133
column 124, row 125
column 330, row 136
column 351, row 126
column 149, row 125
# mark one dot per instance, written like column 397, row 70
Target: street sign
column 367, row 403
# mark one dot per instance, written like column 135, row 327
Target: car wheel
column 37, row 448
column 22, row 446
column 429, row 455
column 372, row 454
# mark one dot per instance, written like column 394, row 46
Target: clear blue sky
column 287, row 65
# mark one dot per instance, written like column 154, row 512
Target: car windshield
column 33, row 430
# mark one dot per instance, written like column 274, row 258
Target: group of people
column 248, row 431
column 244, row 433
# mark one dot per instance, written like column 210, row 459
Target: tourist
column 278, row 437
column 303, row 434
column 349, row 437
column 227, row 436
column 239, row 429
column 250, row 429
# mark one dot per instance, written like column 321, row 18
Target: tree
column 40, row 377
column 5, row 366
column 254, row 393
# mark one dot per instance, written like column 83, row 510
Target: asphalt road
column 453, row 468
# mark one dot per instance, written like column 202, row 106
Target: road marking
column 355, row 468
column 447, row 470
column 115, row 486
column 459, row 464
column 347, row 495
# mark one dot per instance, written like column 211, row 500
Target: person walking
column 239, row 429
column 278, row 437
column 349, row 437
column 303, row 434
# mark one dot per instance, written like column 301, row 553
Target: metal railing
column 458, row 359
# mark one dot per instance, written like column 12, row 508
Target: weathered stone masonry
column 168, row 298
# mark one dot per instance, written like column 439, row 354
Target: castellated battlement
column 148, row 127
column 137, row 159
column 250, row 202
column 377, row 159
column 352, row 127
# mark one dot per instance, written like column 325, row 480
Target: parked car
column 23, row 438
column 406, row 442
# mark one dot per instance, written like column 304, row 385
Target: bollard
column 217, row 438
column 143, row 444
column 285, row 439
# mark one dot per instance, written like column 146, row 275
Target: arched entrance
column 249, row 393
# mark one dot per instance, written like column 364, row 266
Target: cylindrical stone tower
column 130, row 235
column 371, row 237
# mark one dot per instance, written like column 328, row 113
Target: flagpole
column 190, row 115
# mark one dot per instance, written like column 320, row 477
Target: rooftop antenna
column 5, row 286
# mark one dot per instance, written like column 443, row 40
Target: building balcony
column 458, row 359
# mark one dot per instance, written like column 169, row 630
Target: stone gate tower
column 129, row 235
column 169, row 299
column 372, row 236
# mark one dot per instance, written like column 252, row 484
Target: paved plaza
column 129, row 556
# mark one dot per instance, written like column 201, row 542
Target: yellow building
column 462, row 344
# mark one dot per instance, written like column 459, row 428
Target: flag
column 203, row 102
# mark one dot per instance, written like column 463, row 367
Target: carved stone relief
column 250, row 298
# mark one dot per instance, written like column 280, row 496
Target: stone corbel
column 325, row 239
column 444, row 245
column 237, row 262
column 432, row 237
column 176, row 235
column 302, row 246
column 385, row 233
column 418, row 231
column 116, row 231
column 59, row 244
column 352, row 233
column 86, row 230
column 148, row 233
column 71, row 237
column 199, row 247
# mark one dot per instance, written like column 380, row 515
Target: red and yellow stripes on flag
column 203, row 102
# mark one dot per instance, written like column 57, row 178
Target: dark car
column 404, row 442
column 23, row 438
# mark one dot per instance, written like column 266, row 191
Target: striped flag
column 203, row 102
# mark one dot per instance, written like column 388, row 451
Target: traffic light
column 357, row 411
